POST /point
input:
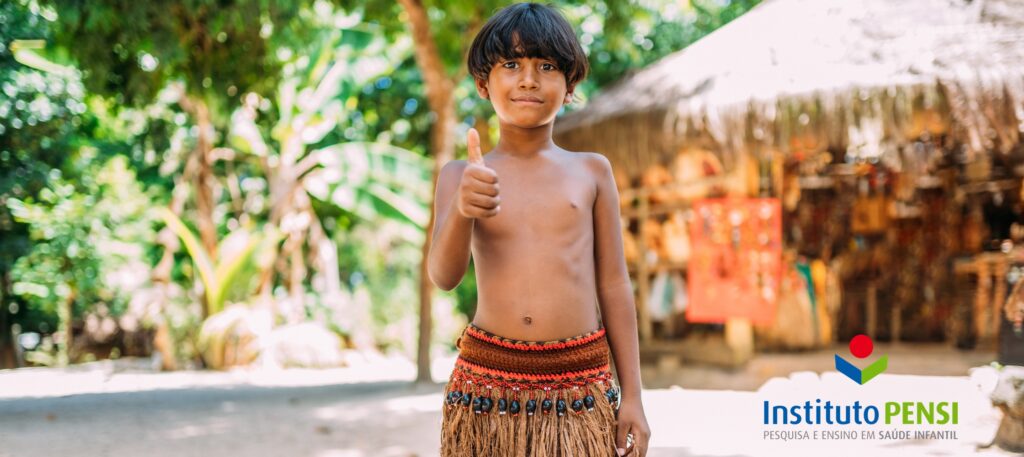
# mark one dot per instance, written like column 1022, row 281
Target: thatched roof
column 850, row 73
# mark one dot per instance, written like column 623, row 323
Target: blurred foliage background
column 218, row 183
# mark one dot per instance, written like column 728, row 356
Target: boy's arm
column 448, row 258
column 615, row 295
column 615, row 292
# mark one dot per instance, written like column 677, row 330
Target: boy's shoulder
column 595, row 162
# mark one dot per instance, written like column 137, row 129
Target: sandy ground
column 371, row 409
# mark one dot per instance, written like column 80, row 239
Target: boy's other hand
column 632, row 421
column 478, row 190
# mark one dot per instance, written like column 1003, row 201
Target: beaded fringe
column 492, row 412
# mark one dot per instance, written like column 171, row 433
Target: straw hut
column 858, row 77
column 853, row 81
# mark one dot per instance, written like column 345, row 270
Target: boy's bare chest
column 549, row 202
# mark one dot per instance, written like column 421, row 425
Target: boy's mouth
column 529, row 100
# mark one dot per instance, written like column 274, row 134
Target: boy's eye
column 544, row 66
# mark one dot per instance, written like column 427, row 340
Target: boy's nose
column 528, row 81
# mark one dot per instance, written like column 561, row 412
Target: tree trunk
column 8, row 357
column 203, row 185
column 161, row 279
column 205, row 180
column 484, row 129
column 444, row 127
column 439, row 88
column 161, row 274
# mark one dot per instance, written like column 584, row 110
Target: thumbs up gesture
column 478, row 190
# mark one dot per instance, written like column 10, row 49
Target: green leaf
column 229, row 272
column 196, row 251
column 373, row 180
column 404, row 208
column 23, row 53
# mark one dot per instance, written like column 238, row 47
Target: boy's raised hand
column 478, row 190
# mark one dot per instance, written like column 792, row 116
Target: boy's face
column 526, row 92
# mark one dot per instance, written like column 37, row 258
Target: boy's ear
column 568, row 95
column 481, row 89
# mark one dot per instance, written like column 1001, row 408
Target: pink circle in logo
column 861, row 346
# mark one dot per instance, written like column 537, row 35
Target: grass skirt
column 511, row 398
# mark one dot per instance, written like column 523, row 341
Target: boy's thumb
column 473, row 143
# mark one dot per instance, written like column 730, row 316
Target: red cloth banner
column 736, row 263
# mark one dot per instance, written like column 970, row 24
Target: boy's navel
column 528, row 320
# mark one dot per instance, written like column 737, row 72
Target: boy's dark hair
column 528, row 30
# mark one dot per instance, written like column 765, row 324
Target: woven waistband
column 579, row 357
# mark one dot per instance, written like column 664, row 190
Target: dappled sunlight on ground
column 92, row 411
column 137, row 375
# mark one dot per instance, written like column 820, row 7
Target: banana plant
column 241, row 257
column 372, row 181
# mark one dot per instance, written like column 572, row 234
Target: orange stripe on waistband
column 531, row 377
column 536, row 347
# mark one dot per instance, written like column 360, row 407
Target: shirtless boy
column 554, row 297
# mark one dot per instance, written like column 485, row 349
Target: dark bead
column 546, row 405
column 577, row 405
column 514, row 407
column 454, row 397
column 486, row 405
column 588, row 401
column 477, row 404
column 613, row 395
column 502, row 405
column 561, row 407
column 466, row 399
column 531, row 407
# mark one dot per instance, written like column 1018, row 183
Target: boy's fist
column 478, row 190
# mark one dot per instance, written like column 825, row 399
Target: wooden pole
column 896, row 322
column 872, row 309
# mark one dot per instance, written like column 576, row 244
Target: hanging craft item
column 1011, row 330
column 650, row 233
column 692, row 166
column 735, row 262
column 795, row 325
column 657, row 177
column 869, row 215
column 675, row 239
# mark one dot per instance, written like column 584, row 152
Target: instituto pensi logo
column 861, row 347
column 819, row 417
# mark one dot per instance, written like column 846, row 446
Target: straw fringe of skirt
column 510, row 398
